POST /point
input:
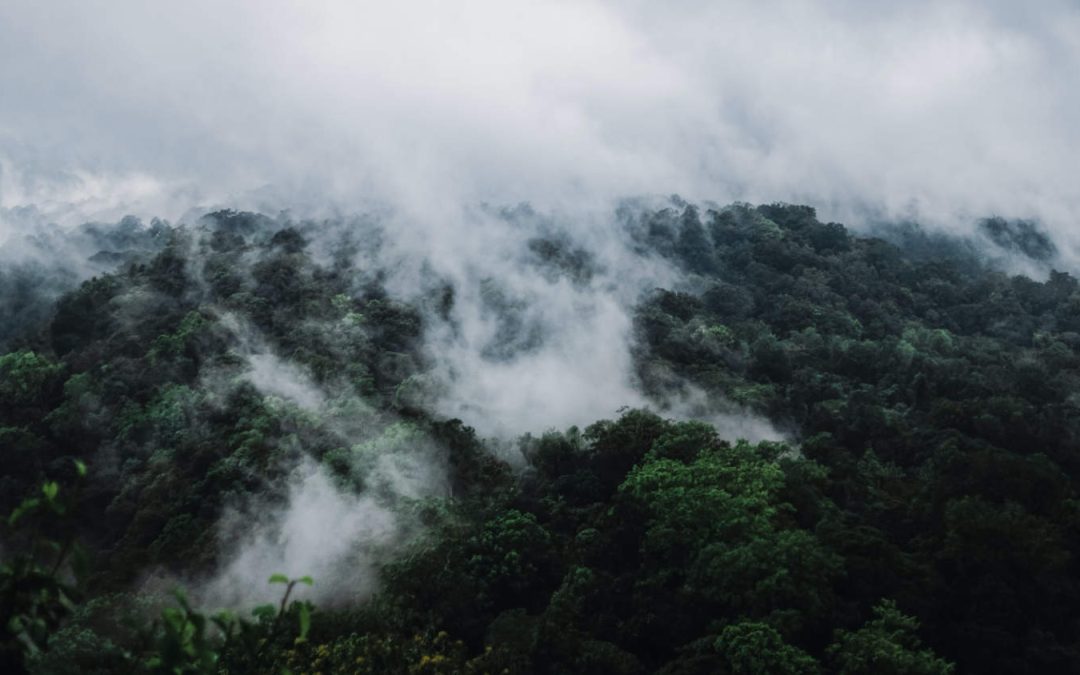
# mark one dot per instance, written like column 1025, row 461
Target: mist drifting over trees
column 539, row 338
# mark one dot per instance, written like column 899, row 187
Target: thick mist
column 434, row 120
column 941, row 112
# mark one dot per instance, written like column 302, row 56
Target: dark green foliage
column 125, row 372
column 930, row 398
column 938, row 393
column 747, row 648
column 560, row 257
column 36, row 577
column 1019, row 236
column 82, row 316
column 886, row 644
column 692, row 244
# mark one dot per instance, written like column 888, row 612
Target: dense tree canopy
column 922, row 517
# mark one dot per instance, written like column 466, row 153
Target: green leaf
column 80, row 467
column 305, row 621
column 50, row 490
column 27, row 506
column 278, row 579
column 306, row 580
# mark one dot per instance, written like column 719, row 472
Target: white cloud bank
column 323, row 532
column 944, row 110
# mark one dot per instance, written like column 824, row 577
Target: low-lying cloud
column 424, row 111
column 945, row 111
column 434, row 115
column 321, row 531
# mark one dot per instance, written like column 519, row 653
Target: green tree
column 25, row 378
column 751, row 647
column 885, row 645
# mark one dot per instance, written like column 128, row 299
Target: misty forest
column 852, row 453
column 554, row 337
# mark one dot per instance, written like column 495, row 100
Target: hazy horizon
column 940, row 112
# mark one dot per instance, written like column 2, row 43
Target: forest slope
column 923, row 511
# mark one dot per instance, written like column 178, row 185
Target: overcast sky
column 941, row 110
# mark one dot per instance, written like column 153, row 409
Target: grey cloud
column 945, row 111
column 333, row 536
column 421, row 111
column 941, row 112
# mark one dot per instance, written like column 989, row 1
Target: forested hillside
column 921, row 515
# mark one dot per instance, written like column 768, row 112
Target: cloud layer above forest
column 942, row 110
